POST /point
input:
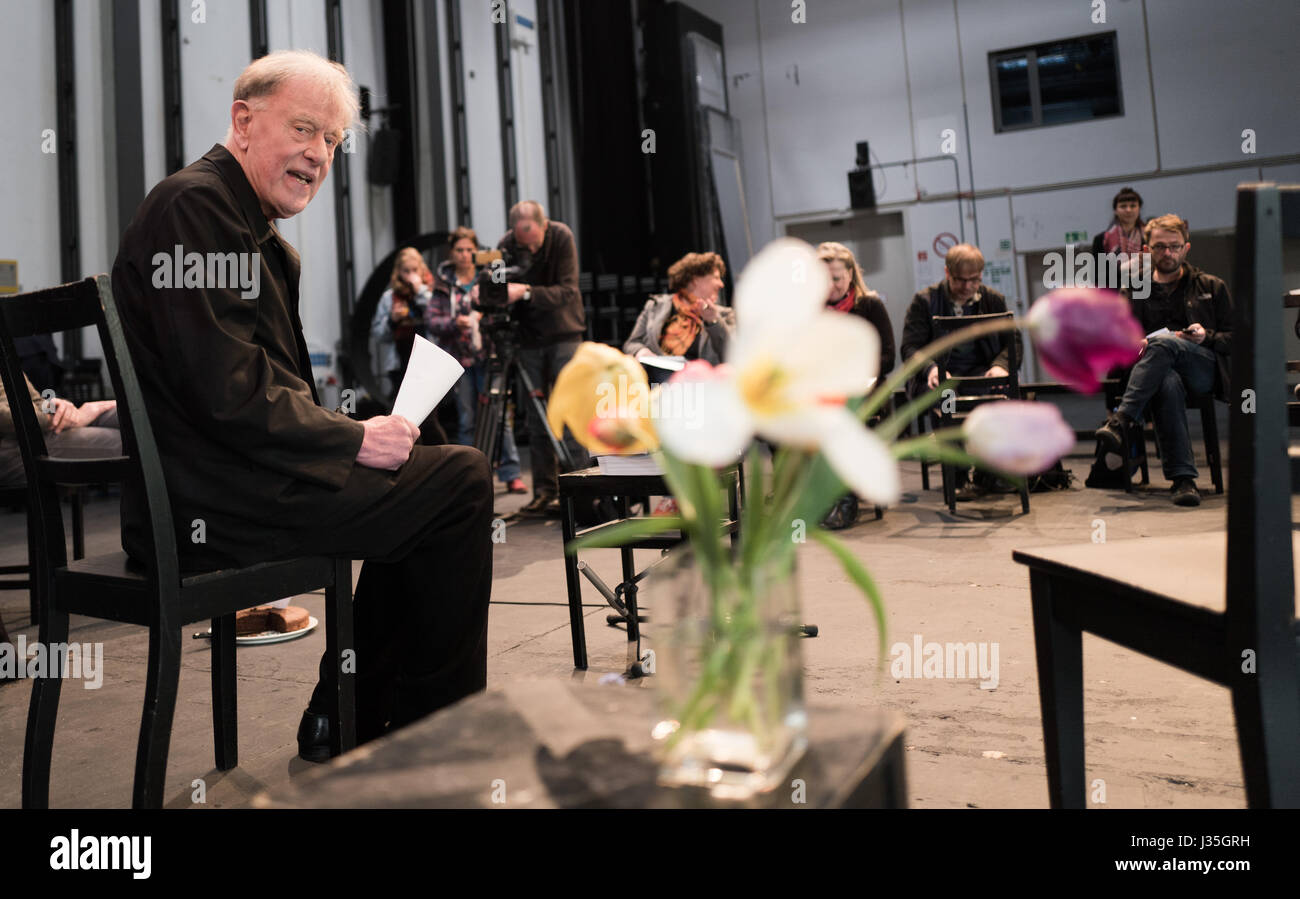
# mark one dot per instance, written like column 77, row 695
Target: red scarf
column 682, row 327
column 845, row 304
column 1114, row 240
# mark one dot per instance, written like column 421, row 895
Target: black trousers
column 421, row 604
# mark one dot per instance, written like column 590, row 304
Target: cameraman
column 551, row 325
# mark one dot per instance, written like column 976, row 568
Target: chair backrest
column 947, row 324
column 1260, row 582
column 67, row 307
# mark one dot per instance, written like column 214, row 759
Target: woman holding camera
column 454, row 324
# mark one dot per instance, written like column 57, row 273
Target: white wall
column 213, row 53
column 482, row 121
column 29, row 187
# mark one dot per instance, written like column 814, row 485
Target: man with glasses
column 960, row 293
column 1188, row 320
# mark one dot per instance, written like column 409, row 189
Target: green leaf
column 858, row 573
column 625, row 532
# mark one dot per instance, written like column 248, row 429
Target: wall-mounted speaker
column 385, row 157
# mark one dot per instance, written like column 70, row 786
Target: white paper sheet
column 429, row 375
column 669, row 363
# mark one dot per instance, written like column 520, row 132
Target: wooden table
column 565, row 744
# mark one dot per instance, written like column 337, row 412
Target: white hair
column 263, row 77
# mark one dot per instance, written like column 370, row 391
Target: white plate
column 269, row 636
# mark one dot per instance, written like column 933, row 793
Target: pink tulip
column 1016, row 437
column 1081, row 333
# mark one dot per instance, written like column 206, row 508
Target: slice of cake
column 288, row 619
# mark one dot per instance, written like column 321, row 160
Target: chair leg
column 577, row 626
column 225, row 722
column 78, row 522
column 159, row 710
column 1210, row 429
column 42, row 714
column 949, row 486
column 1265, row 709
column 1024, row 498
column 1059, row 648
column 341, row 645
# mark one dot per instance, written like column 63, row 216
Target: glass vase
column 729, row 673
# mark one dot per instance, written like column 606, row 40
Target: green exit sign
column 1004, row 244
column 1076, row 236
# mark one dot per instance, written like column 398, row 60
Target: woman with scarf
column 849, row 294
column 1124, row 235
column 687, row 322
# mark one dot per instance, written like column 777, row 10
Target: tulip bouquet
column 801, row 377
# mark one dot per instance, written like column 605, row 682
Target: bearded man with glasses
column 1188, row 320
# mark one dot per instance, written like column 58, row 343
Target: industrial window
column 1054, row 83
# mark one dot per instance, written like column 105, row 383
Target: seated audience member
column 400, row 313
column 688, row 321
column 960, row 293
column 1124, row 234
column 454, row 324
column 1190, row 360
column 89, row 431
column 849, row 293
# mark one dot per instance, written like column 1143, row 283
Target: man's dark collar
column 233, row 173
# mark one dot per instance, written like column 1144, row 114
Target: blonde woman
column 849, row 293
column 400, row 313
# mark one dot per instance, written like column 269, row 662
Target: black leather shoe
column 314, row 737
column 1185, row 493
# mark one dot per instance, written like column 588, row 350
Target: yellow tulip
column 602, row 395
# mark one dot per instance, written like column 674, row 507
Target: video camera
column 496, row 269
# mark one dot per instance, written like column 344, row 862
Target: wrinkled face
column 1168, row 250
column 962, row 284
column 288, row 142
column 462, row 253
column 1127, row 211
column 706, row 287
column 529, row 234
column 840, row 279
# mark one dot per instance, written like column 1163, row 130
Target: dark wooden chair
column 154, row 594
column 18, row 577
column 990, row 390
column 1218, row 606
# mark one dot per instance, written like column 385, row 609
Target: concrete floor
column 1158, row 737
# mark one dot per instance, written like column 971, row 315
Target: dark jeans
column 542, row 365
column 1169, row 371
column 421, row 603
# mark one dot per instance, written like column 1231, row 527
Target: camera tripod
column 502, row 369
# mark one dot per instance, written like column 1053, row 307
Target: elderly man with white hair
column 246, row 446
